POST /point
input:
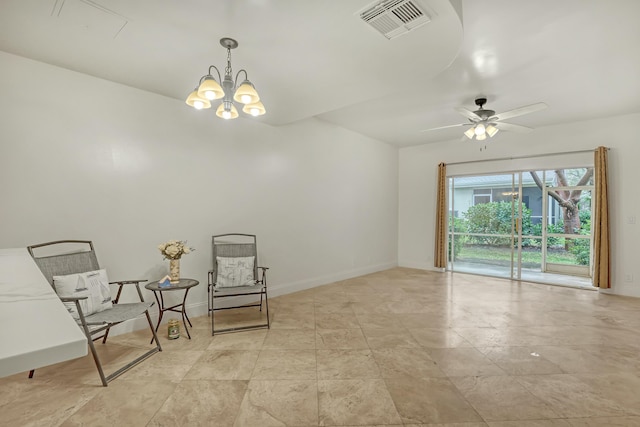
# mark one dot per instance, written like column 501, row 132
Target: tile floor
column 399, row 347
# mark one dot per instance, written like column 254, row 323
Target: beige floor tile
column 346, row 364
column 390, row 338
column 596, row 359
column 285, row 365
column 369, row 304
column 575, row 351
column 241, row 317
column 290, row 339
column 521, row 360
column 423, row 320
column 621, row 387
column 430, row 400
column 378, row 320
column 224, row 365
column 333, row 307
column 123, row 403
column 406, row 363
column 606, row 421
column 340, row 339
column 439, row 338
column 355, row 402
column 279, row 403
column 571, row 397
column 450, row 425
column 33, row 402
column 200, row 339
column 244, row 340
column 199, row 403
column 532, row 423
column 502, row 398
column 336, row 321
column 166, row 365
column 464, row 362
column 201, row 322
column 304, row 320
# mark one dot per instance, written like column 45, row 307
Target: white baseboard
column 420, row 266
column 200, row 308
column 287, row 288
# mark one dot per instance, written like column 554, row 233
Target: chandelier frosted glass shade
column 255, row 109
column 195, row 101
column 246, row 94
column 230, row 112
column 225, row 89
column 210, row 89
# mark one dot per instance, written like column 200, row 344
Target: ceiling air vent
column 393, row 18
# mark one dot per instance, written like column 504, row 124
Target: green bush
column 492, row 218
column 581, row 248
column 460, row 226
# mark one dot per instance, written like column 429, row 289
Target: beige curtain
column 601, row 237
column 440, row 256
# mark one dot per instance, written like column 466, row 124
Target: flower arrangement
column 174, row 249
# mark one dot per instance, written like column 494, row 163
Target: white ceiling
column 317, row 58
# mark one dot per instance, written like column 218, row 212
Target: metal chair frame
column 220, row 247
column 82, row 262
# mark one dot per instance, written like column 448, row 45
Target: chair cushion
column 93, row 284
column 235, row 271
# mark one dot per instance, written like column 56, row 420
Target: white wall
column 85, row 158
column 418, row 175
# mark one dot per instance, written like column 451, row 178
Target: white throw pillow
column 93, row 284
column 235, row 271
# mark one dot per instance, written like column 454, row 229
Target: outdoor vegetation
column 477, row 231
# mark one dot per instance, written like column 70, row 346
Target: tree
column 568, row 200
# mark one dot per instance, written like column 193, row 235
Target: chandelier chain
column 227, row 70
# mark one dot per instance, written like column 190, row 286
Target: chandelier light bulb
column 226, row 115
column 480, row 130
column 245, row 99
column 195, row 101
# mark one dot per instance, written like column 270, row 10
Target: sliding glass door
column 483, row 219
column 530, row 225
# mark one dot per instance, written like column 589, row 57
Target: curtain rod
column 522, row 157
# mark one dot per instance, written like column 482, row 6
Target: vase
column 174, row 271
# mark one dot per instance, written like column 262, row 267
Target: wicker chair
column 232, row 253
column 58, row 261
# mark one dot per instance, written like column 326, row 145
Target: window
column 481, row 196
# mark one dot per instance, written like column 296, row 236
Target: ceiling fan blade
column 447, row 127
column 468, row 114
column 520, row 111
column 510, row 127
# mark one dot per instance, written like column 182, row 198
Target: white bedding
column 35, row 328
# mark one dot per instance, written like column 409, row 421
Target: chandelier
column 209, row 89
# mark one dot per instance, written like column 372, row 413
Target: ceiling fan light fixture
column 479, row 130
column 481, row 137
column 491, row 130
column 195, row 101
column 469, row 133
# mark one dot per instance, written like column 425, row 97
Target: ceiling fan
column 487, row 122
